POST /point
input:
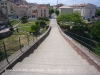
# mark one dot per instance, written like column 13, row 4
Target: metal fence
column 91, row 44
column 9, row 47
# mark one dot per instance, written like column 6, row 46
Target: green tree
column 57, row 12
column 24, row 19
column 75, row 19
column 35, row 28
column 97, row 13
column 51, row 10
column 96, row 30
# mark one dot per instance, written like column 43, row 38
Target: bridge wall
column 82, row 51
column 26, row 51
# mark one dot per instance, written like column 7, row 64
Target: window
column 2, row 6
column 44, row 10
column 2, row 3
column 5, row 3
column 90, row 11
column 44, row 14
column 11, row 12
column 41, row 14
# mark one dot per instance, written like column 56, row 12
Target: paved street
column 54, row 56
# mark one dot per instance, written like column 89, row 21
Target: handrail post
column 5, row 53
column 90, row 43
column 20, row 45
column 28, row 39
column 81, row 39
column 33, row 38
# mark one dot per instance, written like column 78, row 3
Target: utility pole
column 57, row 4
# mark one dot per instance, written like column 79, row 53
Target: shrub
column 40, row 18
column 43, row 18
column 65, row 26
column 11, row 29
column 88, row 19
column 24, row 19
column 35, row 28
column 42, row 24
column 37, row 22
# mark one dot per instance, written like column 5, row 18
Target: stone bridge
column 54, row 56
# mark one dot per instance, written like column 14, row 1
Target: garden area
column 13, row 21
column 87, row 34
column 24, row 33
column 33, row 26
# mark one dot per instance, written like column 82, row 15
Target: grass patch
column 12, row 44
column 13, row 22
column 47, row 22
column 30, row 23
column 44, row 30
column 27, row 29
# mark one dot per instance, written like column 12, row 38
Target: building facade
column 86, row 10
column 43, row 11
column 20, row 10
column 6, row 8
column 65, row 9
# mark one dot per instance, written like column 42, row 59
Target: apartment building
column 86, row 10
column 19, row 2
column 6, row 8
column 43, row 11
column 20, row 10
column 30, row 11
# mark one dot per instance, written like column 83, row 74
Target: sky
column 67, row 2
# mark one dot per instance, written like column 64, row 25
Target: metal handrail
column 89, row 45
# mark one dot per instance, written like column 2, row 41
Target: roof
column 81, row 5
column 65, row 7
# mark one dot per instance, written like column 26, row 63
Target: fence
column 11, row 45
column 92, row 45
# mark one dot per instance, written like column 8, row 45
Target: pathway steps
column 54, row 56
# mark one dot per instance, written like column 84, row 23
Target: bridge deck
column 54, row 56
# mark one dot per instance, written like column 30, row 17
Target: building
column 30, row 11
column 98, row 8
column 20, row 10
column 57, row 6
column 43, row 11
column 19, row 2
column 86, row 10
column 65, row 9
column 5, row 12
column 6, row 8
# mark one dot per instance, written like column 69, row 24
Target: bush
column 35, row 28
column 43, row 18
column 42, row 24
column 65, row 26
column 24, row 19
column 88, row 19
column 37, row 22
column 11, row 29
